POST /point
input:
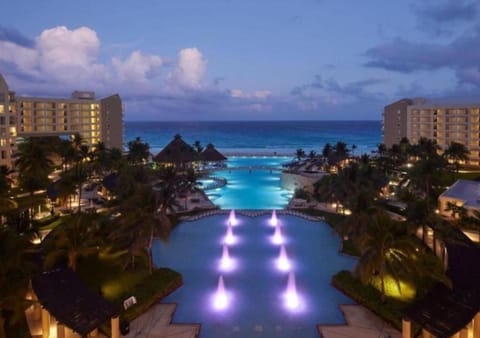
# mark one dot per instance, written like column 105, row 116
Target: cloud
column 137, row 67
column 14, row 36
column 190, row 70
column 443, row 17
column 447, row 11
column 332, row 92
column 462, row 55
column 258, row 94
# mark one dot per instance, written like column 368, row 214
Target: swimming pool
column 255, row 286
column 255, row 184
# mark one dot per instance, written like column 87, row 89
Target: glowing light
column 226, row 261
column 232, row 219
column 277, row 236
column 283, row 263
column 274, row 220
column 221, row 299
column 229, row 239
column 291, row 294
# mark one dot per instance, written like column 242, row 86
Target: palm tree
column 384, row 250
column 138, row 151
column 198, row 146
column 427, row 174
column 141, row 222
column 33, row 165
column 6, row 203
column 456, row 152
column 312, row 154
column 299, row 154
column 75, row 238
column 16, row 269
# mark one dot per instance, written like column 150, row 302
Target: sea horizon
column 260, row 138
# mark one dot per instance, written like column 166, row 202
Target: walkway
column 157, row 323
column 361, row 323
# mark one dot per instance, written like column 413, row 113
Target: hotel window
column 3, row 154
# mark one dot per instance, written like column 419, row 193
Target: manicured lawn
column 104, row 274
column 391, row 310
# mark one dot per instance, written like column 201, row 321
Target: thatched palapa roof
column 66, row 298
column 210, row 154
column 177, row 151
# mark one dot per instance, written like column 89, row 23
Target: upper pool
column 252, row 183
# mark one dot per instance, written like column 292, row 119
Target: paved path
column 361, row 323
column 156, row 323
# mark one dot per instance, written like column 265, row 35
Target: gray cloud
column 14, row 36
column 443, row 17
column 354, row 89
column 461, row 55
column 447, row 12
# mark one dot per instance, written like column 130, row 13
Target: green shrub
column 391, row 310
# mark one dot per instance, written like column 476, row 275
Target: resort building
column 464, row 194
column 435, row 120
column 24, row 116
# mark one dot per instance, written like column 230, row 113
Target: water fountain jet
column 291, row 294
column 274, row 220
column 226, row 261
column 229, row 239
column 232, row 219
column 277, row 236
column 283, row 263
column 221, row 299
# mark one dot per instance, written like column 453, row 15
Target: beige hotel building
column 22, row 116
column 442, row 122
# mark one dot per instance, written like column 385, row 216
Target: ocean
column 260, row 137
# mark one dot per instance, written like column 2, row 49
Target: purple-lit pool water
column 253, row 301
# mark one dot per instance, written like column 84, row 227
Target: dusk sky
column 244, row 60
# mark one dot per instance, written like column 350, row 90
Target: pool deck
column 157, row 323
column 361, row 323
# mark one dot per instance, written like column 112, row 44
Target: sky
column 196, row 60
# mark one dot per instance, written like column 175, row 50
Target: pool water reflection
column 255, row 296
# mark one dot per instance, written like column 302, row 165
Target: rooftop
column 466, row 191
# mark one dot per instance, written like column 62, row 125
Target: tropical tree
column 198, row 146
column 138, row 151
column 33, row 165
column 140, row 223
column 299, row 154
column 384, row 250
column 76, row 237
column 16, row 269
column 312, row 154
column 6, row 203
column 327, row 150
column 456, row 152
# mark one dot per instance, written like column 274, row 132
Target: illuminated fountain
column 283, row 263
column 291, row 294
column 229, row 239
column 226, row 261
column 232, row 220
column 221, row 299
column 277, row 236
column 274, row 220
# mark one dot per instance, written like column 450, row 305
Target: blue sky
column 244, row 60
